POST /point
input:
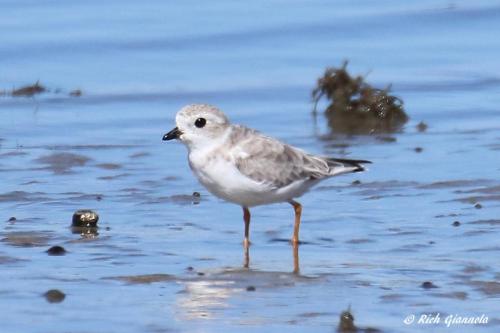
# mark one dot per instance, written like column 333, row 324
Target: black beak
column 173, row 134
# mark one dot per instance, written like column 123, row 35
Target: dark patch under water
column 26, row 238
column 144, row 279
column 61, row 163
column 22, row 196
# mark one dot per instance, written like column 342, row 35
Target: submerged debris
column 56, row 251
column 75, row 93
column 356, row 107
column 428, row 285
column 422, row 127
column 183, row 199
column 54, row 296
column 346, row 323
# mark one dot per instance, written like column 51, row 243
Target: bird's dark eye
column 200, row 122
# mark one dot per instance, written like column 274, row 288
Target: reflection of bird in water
column 243, row 166
column 205, row 296
column 202, row 298
column 296, row 265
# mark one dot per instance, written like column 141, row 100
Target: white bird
column 243, row 166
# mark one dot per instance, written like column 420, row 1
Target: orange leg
column 298, row 212
column 246, row 218
column 296, row 266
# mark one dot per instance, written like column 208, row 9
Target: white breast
column 223, row 179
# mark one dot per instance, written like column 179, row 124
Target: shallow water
column 163, row 260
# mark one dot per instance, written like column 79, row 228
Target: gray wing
column 272, row 162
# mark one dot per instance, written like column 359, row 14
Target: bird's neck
column 209, row 144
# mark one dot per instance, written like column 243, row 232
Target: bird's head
column 198, row 125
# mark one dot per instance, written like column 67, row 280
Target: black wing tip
column 355, row 163
column 359, row 168
column 349, row 161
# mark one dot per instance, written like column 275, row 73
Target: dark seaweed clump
column 356, row 107
column 29, row 90
column 35, row 89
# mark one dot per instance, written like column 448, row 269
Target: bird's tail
column 341, row 165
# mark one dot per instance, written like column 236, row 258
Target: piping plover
column 241, row 165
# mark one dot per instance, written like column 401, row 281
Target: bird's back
column 276, row 164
